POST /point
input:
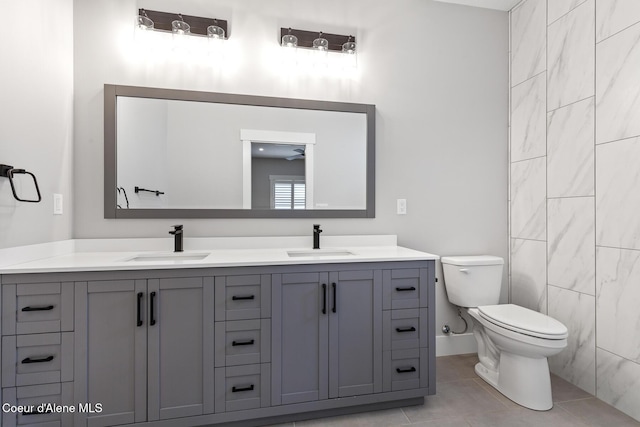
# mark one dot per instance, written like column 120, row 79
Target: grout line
column 530, row 78
column 527, row 239
column 616, row 33
column 565, row 14
column 616, row 140
column 572, row 290
column 571, row 197
column 595, row 211
column 532, row 158
column 572, row 103
column 619, row 356
column 546, row 167
column 617, row 247
column 405, row 415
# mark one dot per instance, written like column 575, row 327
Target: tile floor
column 464, row 400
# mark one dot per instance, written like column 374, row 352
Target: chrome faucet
column 316, row 236
column 177, row 241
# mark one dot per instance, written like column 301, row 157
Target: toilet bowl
column 513, row 342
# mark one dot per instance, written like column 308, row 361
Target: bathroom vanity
column 248, row 336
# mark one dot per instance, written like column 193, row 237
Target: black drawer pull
column 243, row 297
column 48, row 411
column 406, row 289
column 43, row 360
column 406, row 370
column 410, row 329
column 152, row 315
column 245, row 342
column 139, row 309
column 237, row 389
column 40, row 308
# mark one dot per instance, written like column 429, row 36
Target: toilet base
column 524, row 380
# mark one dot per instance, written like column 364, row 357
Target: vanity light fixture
column 289, row 40
column 319, row 41
column 180, row 24
column 180, row 27
column 144, row 22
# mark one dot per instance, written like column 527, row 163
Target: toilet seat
column 524, row 321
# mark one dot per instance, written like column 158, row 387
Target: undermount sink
column 176, row 256
column 319, row 252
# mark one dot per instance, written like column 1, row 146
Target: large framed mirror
column 187, row 154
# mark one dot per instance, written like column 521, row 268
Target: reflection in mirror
column 195, row 154
column 277, row 176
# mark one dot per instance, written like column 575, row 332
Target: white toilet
column 513, row 342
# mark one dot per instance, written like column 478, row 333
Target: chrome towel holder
column 7, row 171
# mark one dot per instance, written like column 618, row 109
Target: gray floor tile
column 446, row 422
column 564, row 391
column 458, row 367
column 387, row 418
column 596, row 413
column 454, row 399
column 522, row 417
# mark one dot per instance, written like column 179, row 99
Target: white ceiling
column 488, row 4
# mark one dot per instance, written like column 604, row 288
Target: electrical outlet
column 402, row 206
column 57, row 204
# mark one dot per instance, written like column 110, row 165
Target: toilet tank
column 472, row 281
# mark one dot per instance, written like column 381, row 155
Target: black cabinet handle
column 48, row 411
column 406, row 289
column 243, row 297
column 43, row 360
column 41, row 308
column 245, row 342
column 237, row 389
column 335, row 297
column 410, row 329
column 324, row 298
column 406, row 370
column 139, row 315
column 152, row 316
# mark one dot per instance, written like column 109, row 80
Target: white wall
column 36, row 116
column 441, row 111
column 575, row 187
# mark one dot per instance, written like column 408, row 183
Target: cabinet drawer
column 404, row 288
column 37, row 359
column 242, row 387
column 243, row 297
column 404, row 329
column 37, row 308
column 242, row 342
column 33, row 396
column 405, row 369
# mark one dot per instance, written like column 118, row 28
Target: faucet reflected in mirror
column 177, row 233
column 316, row 236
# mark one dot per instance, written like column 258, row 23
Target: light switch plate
column 402, row 206
column 57, row 204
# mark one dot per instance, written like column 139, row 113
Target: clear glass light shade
column 289, row 40
column 349, row 47
column 144, row 23
column 180, row 27
column 321, row 44
column 215, row 32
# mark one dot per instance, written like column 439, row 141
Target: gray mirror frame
column 111, row 92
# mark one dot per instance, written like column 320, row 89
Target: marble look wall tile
column 577, row 362
column 570, row 150
column 558, row 8
column 618, row 194
column 529, row 199
column 618, row 297
column 619, row 383
column 618, row 86
column 529, row 274
column 571, row 248
column 528, row 119
column 571, row 57
column 528, row 40
column 613, row 16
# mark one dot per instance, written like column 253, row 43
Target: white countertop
column 107, row 254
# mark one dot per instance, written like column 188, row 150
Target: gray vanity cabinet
column 144, row 349
column 327, row 335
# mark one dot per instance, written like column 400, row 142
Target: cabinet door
column 300, row 337
column 355, row 333
column 110, row 351
column 180, row 332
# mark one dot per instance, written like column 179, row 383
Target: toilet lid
column 523, row 320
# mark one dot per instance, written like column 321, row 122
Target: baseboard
column 447, row 345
